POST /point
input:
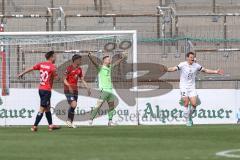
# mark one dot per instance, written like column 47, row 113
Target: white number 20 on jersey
column 43, row 76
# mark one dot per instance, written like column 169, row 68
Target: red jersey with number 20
column 47, row 73
column 72, row 74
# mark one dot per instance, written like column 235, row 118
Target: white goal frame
column 133, row 32
column 103, row 32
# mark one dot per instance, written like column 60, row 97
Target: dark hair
column 190, row 53
column 75, row 57
column 49, row 54
column 105, row 57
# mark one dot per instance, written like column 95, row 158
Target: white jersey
column 188, row 74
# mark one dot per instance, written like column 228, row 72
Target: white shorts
column 188, row 92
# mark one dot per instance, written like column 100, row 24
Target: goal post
column 21, row 45
column 25, row 49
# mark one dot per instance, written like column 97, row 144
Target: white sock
column 186, row 112
column 192, row 111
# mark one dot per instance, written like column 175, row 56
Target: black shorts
column 45, row 97
column 71, row 97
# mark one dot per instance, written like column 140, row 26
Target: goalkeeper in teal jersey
column 105, row 85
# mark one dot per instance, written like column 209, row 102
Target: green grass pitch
column 200, row 142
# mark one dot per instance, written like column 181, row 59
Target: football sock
column 192, row 111
column 96, row 109
column 94, row 113
column 49, row 117
column 71, row 113
column 111, row 113
column 38, row 118
column 186, row 112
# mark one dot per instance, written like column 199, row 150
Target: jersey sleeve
column 98, row 68
column 179, row 67
column 67, row 71
column 199, row 67
column 36, row 66
column 111, row 67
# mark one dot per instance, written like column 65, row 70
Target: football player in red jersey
column 71, row 76
column 47, row 71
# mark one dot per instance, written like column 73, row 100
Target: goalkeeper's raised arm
column 94, row 62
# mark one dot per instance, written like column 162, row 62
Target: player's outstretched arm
column 92, row 60
column 170, row 69
column 124, row 56
column 209, row 71
column 20, row 75
column 86, row 86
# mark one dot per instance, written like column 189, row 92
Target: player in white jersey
column 188, row 71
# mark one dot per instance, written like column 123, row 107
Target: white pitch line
column 229, row 153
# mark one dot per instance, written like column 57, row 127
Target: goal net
column 20, row 50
